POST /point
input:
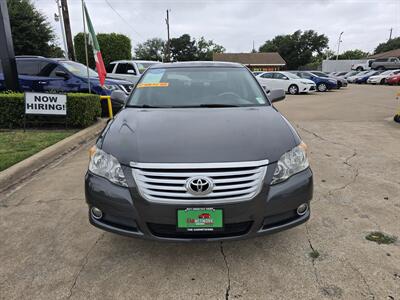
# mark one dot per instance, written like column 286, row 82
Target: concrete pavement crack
column 362, row 278
column 317, row 278
column 228, row 288
column 21, row 203
column 319, row 136
column 85, row 260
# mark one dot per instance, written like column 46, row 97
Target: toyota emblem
column 199, row 185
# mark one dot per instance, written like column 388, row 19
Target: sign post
column 45, row 104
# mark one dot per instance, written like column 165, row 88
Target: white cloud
column 236, row 23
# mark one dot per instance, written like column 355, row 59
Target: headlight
column 291, row 163
column 305, row 82
column 107, row 166
column 333, row 81
column 111, row 87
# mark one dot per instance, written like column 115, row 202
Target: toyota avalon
column 198, row 153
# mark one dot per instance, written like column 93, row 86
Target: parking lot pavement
column 49, row 251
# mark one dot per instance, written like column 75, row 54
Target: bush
column 82, row 111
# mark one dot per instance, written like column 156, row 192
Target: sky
column 235, row 24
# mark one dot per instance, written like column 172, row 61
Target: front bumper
column 126, row 212
column 307, row 88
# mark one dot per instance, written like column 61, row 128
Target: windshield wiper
column 148, row 106
column 218, row 105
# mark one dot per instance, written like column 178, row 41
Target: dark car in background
column 40, row 74
column 363, row 78
column 340, row 81
column 198, row 153
column 323, row 84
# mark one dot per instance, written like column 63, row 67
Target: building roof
column 387, row 54
column 259, row 59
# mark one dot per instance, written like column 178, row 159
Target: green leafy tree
column 183, row 48
column 353, row 54
column 205, row 49
column 299, row 48
column 152, row 49
column 31, row 32
column 113, row 46
column 387, row 46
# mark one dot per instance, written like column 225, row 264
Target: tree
column 113, row 46
column 152, row 49
column 183, row 48
column 31, row 32
column 353, row 54
column 298, row 48
column 387, row 46
column 205, row 49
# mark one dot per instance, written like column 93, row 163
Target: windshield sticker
column 153, row 76
column 260, row 100
column 159, row 84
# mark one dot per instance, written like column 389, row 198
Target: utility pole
column 7, row 55
column 67, row 27
column 59, row 18
column 391, row 31
column 167, row 50
column 254, row 50
column 338, row 46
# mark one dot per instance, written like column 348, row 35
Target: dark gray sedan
column 198, row 153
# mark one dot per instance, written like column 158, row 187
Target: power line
column 123, row 19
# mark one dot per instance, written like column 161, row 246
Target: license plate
column 200, row 219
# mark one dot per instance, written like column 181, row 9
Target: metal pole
column 86, row 48
column 338, row 46
column 167, row 56
column 7, row 56
column 60, row 16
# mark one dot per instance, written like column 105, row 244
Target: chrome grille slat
column 166, row 183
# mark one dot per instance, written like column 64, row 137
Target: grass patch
column 18, row 145
column 314, row 254
column 381, row 238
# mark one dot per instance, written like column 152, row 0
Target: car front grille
column 168, row 183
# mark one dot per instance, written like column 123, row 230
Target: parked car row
column 295, row 82
column 371, row 76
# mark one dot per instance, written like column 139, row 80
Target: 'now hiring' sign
column 45, row 104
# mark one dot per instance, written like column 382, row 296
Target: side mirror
column 265, row 89
column 276, row 95
column 132, row 72
column 119, row 97
column 62, row 74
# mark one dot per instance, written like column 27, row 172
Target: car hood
column 198, row 135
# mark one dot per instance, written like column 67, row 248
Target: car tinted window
column 45, row 68
column 305, row 75
column 197, row 86
column 123, row 68
column 28, row 67
column 267, row 75
column 280, row 76
column 110, row 68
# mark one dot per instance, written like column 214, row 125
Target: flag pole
column 86, row 49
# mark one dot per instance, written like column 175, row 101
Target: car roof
column 191, row 64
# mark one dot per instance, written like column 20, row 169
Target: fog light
column 302, row 209
column 96, row 213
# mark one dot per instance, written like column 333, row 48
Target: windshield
column 291, row 75
column 197, row 87
column 78, row 69
column 320, row 74
column 387, row 72
column 143, row 66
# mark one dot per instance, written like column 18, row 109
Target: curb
column 24, row 169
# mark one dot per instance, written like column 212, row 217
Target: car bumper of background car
column 125, row 212
column 307, row 88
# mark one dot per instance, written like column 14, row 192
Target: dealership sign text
column 45, row 104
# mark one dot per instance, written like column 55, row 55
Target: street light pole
column 338, row 46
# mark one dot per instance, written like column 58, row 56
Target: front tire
column 321, row 87
column 383, row 81
column 381, row 68
column 360, row 69
column 293, row 89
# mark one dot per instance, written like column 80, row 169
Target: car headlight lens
column 107, row 166
column 305, row 82
column 290, row 163
column 111, row 87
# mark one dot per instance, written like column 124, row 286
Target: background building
column 266, row 61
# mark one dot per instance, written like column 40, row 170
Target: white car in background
column 287, row 81
column 381, row 78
